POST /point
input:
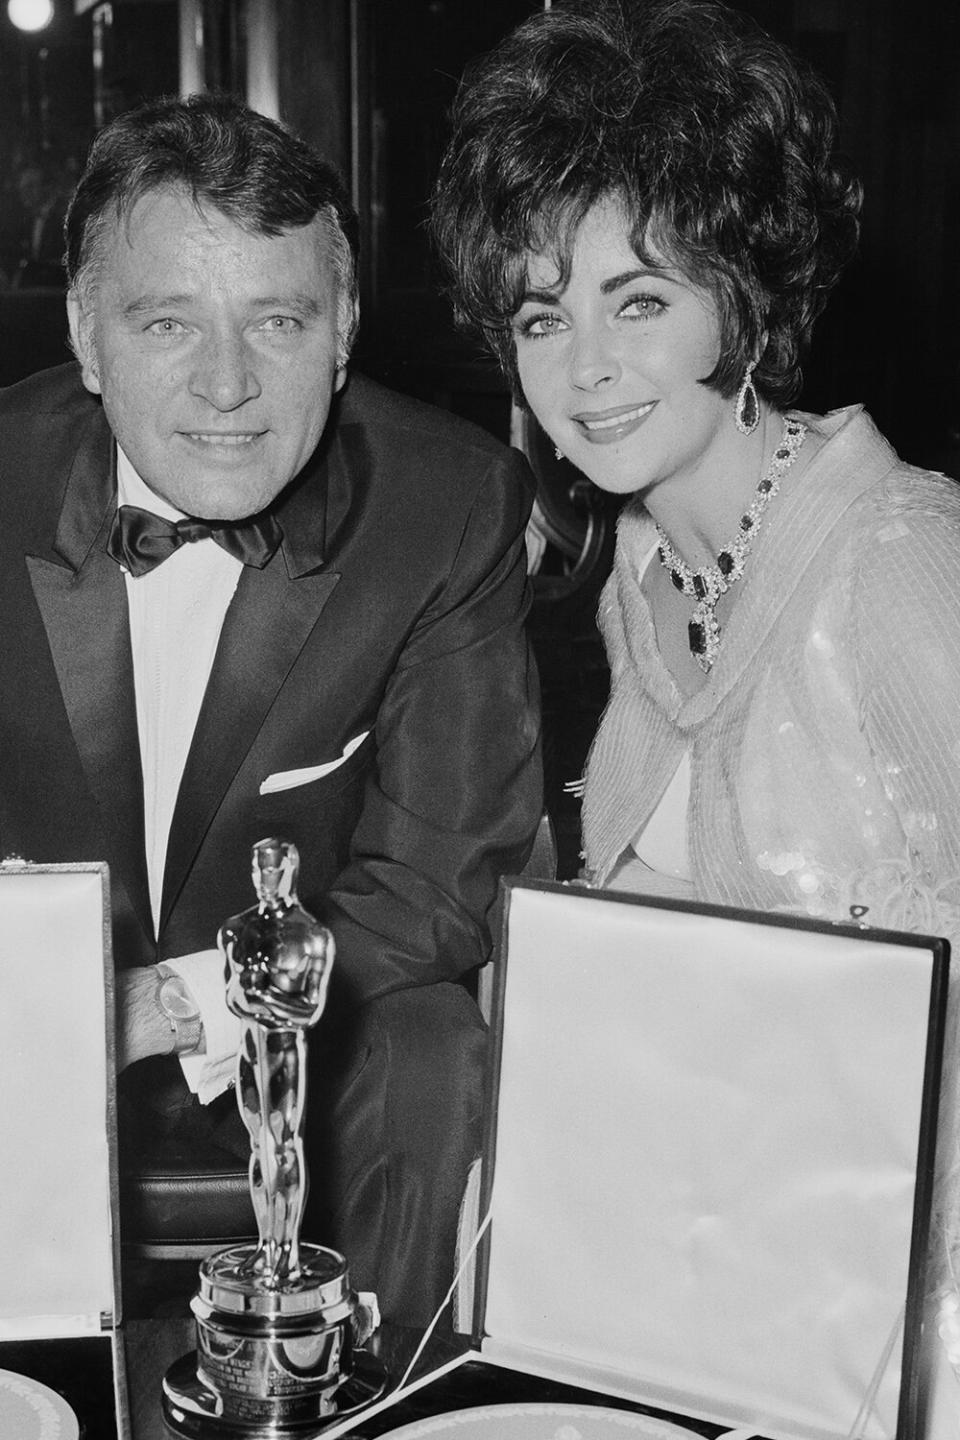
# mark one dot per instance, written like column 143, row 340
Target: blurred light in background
column 30, row 14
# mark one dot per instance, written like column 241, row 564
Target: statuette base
column 271, row 1362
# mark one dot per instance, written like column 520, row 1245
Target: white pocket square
column 290, row 779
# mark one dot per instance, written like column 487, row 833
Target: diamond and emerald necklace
column 708, row 584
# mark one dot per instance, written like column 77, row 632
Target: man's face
column 215, row 351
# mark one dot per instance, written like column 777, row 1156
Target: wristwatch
column 180, row 1009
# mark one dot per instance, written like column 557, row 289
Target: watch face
column 175, row 1002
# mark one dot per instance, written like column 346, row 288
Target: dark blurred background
column 369, row 82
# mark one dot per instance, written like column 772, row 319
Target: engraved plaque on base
column 278, row 1325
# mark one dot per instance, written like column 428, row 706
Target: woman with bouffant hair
column 714, row 139
column 642, row 211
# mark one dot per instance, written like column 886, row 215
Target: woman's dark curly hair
column 718, row 141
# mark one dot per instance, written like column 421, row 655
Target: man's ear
column 348, row 324
column 81, row 341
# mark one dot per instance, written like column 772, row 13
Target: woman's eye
column 642, row 307
column 542, row 325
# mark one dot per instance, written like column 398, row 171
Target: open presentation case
column 707, row 1169
column 61, row 1370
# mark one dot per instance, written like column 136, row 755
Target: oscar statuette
column 278, row 1326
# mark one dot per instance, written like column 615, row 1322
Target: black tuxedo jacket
column 393, row 606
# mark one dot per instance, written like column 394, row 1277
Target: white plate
column 542, row 1422
column 31, row 1411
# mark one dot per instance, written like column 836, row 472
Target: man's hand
column 142, row 1027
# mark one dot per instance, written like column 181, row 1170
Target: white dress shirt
column 176, row 615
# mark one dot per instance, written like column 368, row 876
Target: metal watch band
column 179, row 1009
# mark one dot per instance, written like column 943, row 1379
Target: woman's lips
column 224, row 437
column 605, row 427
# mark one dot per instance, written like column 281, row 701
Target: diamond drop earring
column 747, row 409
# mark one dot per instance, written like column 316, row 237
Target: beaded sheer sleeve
column 906, row 614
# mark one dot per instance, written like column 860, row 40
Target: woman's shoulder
column 886, row 493
column 918, row 508
column 903, row 541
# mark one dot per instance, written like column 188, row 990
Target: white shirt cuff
column 209, row 1074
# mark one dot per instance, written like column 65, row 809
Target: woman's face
column 611, row 366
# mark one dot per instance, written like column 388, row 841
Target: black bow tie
column 140, row 540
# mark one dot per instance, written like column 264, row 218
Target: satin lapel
column 85, row 617
column 266, row 627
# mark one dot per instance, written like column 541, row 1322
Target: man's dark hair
column 719, row 143
column 249, row 168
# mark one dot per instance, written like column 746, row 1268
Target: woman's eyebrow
column 617, row 282
column 540, row 297
column 607, row 287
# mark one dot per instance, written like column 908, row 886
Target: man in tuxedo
column 246, row 595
